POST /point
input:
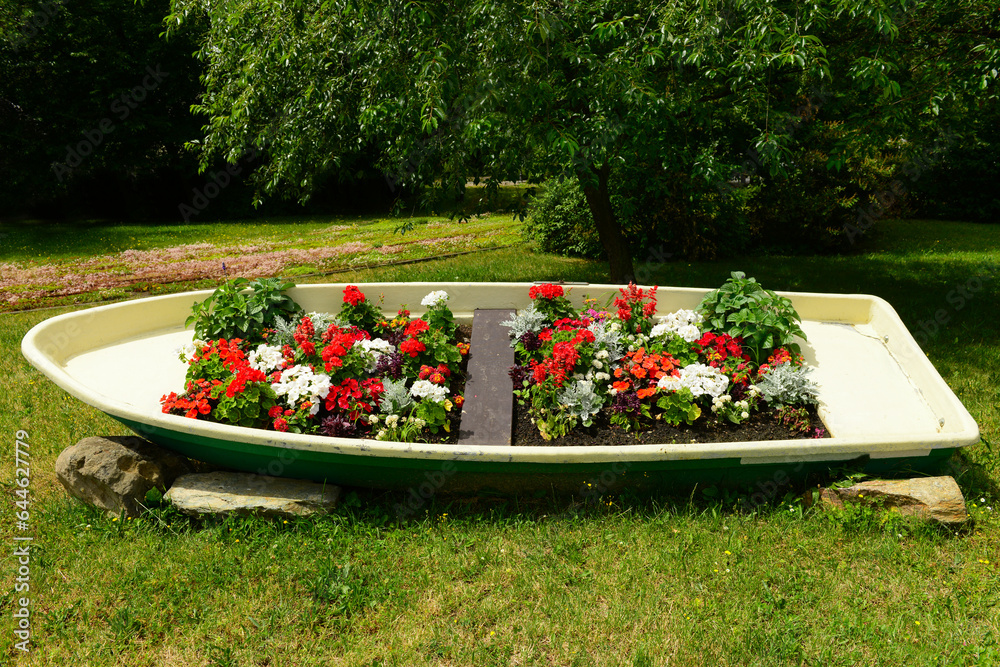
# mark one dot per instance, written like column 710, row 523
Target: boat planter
column 883, row 403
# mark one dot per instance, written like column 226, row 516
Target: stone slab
column 247, row 493
column 935, row 498
column 488, row 412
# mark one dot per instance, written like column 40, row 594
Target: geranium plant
column 636, row 369
column 353, row 374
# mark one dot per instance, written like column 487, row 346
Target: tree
column 445, row 91
column 92, row 101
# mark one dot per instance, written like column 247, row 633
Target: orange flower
column 647, row 392
column 621, row 385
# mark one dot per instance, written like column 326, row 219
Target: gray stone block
column 247, row 493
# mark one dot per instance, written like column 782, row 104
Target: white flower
column 265, row 358
column 429, row 391
column 437, row 297
column 186, row 352
column 600, row 377
column 601, row 354
column 372, row 351
column 392, row 421
column 702, row 380
column 744, row 414
column 300, row 383
column 683, row 323
column 689, row 333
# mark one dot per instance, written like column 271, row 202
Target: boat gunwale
column 878, row 446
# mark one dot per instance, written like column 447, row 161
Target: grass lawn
column 662, row 580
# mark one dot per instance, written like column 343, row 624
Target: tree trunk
column 608, row 228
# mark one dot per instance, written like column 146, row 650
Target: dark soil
column 761, row 426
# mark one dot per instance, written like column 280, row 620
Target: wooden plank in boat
column 488, row 412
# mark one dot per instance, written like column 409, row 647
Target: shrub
column 559, row 220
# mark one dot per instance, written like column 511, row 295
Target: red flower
column 353, row 295
column 537, row 372
column 458, row 401
column 568, row 324
column 275, row 411
column 280, row 424
column 374, row 387
column 718, row 348
column 412, row 347
column 546, row 291
column 416, row 327
column 304, row 331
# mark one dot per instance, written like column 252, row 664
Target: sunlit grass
column 631, row 580
column 43, row 264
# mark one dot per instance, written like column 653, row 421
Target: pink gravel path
column 162, row 265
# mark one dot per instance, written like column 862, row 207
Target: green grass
column 678, row 580
column 359, row 242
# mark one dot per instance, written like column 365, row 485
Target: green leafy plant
column 247, row 408
column 242, row 309
column 742, row 308
column 678, row 406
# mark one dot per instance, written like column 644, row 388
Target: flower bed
column 729, row 370
column 354, row 374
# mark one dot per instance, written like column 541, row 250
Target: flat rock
column 247, row 493
column 935, row 498
column 114, row 473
